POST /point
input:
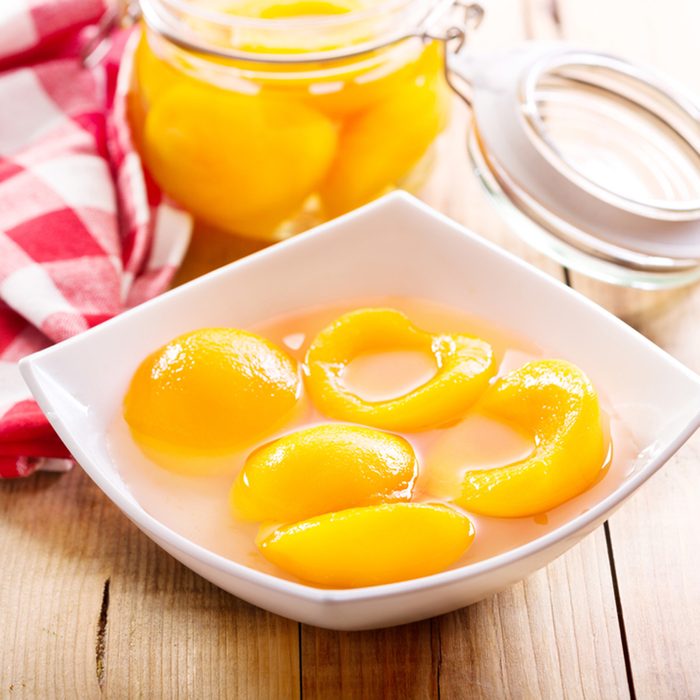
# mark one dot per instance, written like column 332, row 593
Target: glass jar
column 263, row 117
column 593, row 160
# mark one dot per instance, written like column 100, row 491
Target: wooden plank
column 555, row 634
column 172, row 633
column 167, row 632
column 161, row 631
column 399, row 662
column 655, row 540
column 654, row 537
column 51, row 586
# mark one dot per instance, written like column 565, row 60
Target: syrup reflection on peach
column 322, row 469
column 209, row 393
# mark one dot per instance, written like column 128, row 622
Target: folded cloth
column 84, row 233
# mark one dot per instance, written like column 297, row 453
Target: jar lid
column 595, row 160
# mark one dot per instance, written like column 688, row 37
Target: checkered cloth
column 83, row 233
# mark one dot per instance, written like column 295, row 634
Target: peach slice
column 371, row 545
column 371, row 82
column 556, row 402
column 381, row 145
column 464, row 367
column 322, row 469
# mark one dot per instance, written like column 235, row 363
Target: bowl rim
column 31, row 370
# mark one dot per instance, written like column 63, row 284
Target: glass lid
column 625, row 135
column 596, row 160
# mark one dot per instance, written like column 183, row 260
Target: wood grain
column 163, row 632
column 553, row 635
column 653, row 537
column 399, row 662
column 51, row 586
column 170, row 630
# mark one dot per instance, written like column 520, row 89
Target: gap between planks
column 543, row 20
column 101, row 636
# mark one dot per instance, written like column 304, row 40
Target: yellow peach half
column 371, row 545
column 556, row 402
column 242, row 163
column 321, row 469
column 211, row 391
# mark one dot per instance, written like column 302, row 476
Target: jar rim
column 198, row 11
column 302, row 39
column 657, row 88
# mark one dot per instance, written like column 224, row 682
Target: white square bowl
column 395, row 246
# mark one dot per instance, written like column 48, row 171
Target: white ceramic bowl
column 394, row 246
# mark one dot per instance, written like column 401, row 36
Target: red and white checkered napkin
column 83, row 233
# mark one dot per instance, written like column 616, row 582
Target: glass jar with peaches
column 262, row 117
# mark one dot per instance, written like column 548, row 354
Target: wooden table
column 88, row 605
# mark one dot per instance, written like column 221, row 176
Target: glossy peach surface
column 238, row 163
column 211, row 391
column 322, row 469
column 464, row 367
column 557, row 403
column 371, row 545
column 396, row 438
column 383, row 143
